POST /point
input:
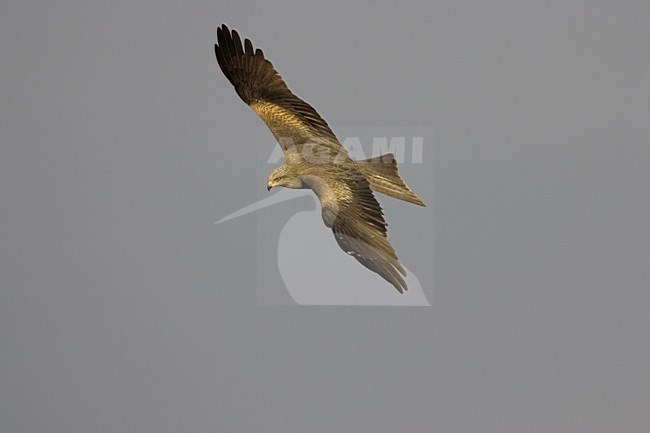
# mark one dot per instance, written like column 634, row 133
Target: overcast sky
column 123, row 308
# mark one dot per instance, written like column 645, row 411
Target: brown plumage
column 315, row 159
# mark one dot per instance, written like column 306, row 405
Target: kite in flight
column 314, row 159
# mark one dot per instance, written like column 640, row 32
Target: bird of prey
column 315, row 159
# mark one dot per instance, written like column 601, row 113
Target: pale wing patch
column 284, row 124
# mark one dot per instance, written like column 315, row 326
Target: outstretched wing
column 356, row 218
column 292, row 121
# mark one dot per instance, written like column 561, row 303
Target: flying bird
column 316, row 160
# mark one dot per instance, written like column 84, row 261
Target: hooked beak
column 268, row 187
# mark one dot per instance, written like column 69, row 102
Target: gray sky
column 123, row 308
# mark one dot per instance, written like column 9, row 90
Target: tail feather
column 381, row 172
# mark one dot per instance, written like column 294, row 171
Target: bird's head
column 283, row 176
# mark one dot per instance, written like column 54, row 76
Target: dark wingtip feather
column 237, row 43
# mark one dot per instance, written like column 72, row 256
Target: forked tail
column 381, row 173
